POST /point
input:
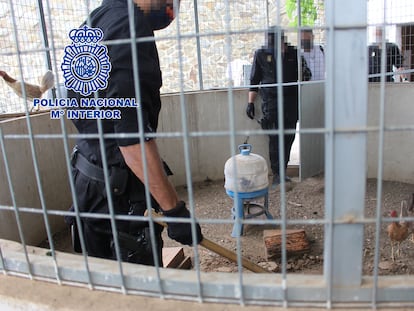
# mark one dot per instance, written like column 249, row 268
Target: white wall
column 398, row 150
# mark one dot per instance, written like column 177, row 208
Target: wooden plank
column 296, row 243
column 172, row 257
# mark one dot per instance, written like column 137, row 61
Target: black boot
column 276, row 180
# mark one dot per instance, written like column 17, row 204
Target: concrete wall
column 206, row 112
column 53, row 175
column 398, row 152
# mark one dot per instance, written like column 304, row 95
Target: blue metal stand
column 241, row 208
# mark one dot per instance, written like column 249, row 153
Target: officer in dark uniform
column 264, row 71
column 123, row 155
column 392, row 55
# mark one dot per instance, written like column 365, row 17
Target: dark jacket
column 393, row 58
column 264, row 71
column 113, row 19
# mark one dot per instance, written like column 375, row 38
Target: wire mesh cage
column 353, row 116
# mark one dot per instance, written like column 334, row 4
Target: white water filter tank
column 250, row 173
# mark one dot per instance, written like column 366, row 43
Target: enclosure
column 355, row 162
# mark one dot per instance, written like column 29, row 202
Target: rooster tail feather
column 47, row 81
column 6, row 77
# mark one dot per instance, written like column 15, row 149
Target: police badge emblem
column 86, row 63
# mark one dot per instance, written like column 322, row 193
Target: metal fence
column 345, row 132
column 39, row 30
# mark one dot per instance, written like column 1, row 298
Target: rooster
column 32, row 91
column 399, row 231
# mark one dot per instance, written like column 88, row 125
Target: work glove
column 181, row 231
column 250, row 110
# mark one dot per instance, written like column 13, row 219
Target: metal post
column 45, row 39
column 267, row 14
column 200, row 63
column 346, row 110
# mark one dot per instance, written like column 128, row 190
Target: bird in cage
column 399, row 231
column 32, row 91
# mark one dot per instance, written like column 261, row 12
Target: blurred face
column 152, row 5
column 306, row 40
column 271, row 40
column 160, row 13
column 378, row 35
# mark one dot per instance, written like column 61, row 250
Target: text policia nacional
column 88, row 107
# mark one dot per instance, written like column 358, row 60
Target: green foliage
column 308, row 8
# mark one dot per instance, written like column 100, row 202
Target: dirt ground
column 305, row 200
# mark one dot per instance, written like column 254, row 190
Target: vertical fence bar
column 381, row 134
column 299, row 60
column 66, row 148
column 137, row 87
column 2, row 266
column 232, row 137
column 197, row 30
column 280, row 132
column 347, row 83
column 45, row 38
column 186, row 148
column 329, row 95
column 267, row 14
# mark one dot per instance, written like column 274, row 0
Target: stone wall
column 226, row 34
column 218, row 47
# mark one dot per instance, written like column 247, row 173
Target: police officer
column 392, row 55
column 123, row 154
column 264, row 71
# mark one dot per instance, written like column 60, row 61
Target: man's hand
column 179, row 231
column 250, row 110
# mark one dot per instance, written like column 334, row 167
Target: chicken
column 32, row 91
column 399, row 231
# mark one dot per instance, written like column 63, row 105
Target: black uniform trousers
column 290, row 118
column 133, row 236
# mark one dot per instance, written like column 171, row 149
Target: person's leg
column 274, row 150
column 274, row 153
column 270, row 116
column 140, row 231
column 98, row 239
column 90, row 199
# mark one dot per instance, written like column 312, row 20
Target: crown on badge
column 86, row 35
